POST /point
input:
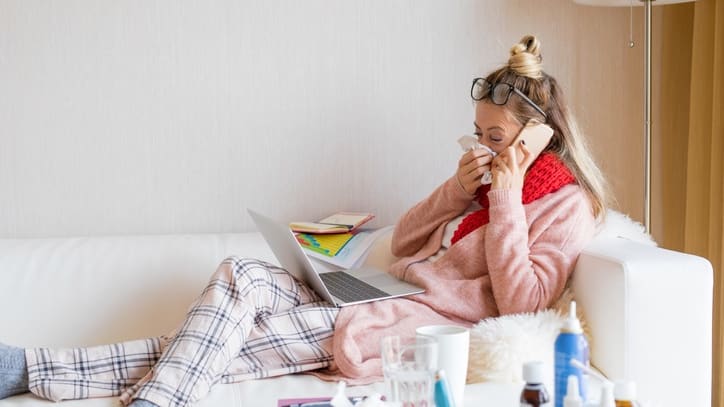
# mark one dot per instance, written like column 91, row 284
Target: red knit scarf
column 547, row 174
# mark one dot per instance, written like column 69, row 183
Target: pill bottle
column 534, row 393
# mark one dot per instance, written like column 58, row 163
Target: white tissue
column 468, row 143
column 340, row 399
column 373, row 400
column 471, row 143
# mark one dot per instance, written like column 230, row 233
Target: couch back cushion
column 84, row 291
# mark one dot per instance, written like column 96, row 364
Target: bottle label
column 567, row 347
column 536, row 393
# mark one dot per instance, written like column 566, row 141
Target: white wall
column 125, row 117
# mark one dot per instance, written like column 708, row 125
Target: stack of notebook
column 330, row 235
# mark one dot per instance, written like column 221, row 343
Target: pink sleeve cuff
column 455, row 192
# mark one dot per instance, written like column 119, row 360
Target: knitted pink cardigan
column 518, row 262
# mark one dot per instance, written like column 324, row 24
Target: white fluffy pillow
column 619, row 225
column 500, row 346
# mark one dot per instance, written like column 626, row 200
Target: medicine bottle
column 570, row 344
column 625, row 393
column 534, row 393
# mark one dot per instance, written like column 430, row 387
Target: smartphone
column 536, row 136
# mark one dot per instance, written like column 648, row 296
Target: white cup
column 452, row 345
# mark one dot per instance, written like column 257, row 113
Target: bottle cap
column 533, row 372
column 573, row 397
column 572, row 324
column 607, row 399
column 624, row 390
column 443, row 398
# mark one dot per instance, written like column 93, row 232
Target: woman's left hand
column 509, row 170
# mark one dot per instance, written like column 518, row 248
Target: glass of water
column 409, row 366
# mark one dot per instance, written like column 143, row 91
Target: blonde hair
column 525, row 72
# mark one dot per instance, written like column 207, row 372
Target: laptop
column 338, row 287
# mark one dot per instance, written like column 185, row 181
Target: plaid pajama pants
column 253, row 320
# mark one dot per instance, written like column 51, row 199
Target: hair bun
column 525, row 58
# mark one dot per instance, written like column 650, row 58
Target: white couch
column 649, row 309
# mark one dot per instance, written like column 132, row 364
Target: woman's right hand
column 471, row 167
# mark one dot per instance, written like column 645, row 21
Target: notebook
column 340, row 222
column 338, row 287
column 328, row 245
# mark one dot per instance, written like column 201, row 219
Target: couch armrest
column 650, row 314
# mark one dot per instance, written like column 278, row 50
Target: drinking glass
column 409, row 366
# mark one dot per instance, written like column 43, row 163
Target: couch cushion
column 84, row 291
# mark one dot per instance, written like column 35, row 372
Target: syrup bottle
column 534, row 393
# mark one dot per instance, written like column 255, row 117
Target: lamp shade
column 626, row 3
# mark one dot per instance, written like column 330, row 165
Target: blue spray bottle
column 570, row 344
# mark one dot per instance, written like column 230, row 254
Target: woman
column 478, row 250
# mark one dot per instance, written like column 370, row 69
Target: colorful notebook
column 329, row 244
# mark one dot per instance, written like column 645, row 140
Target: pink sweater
column 518, row 262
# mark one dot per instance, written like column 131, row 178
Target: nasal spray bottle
column 570, row 344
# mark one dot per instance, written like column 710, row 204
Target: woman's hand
column 509, row 170
column 471, row 167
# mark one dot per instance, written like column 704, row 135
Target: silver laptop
column 339, row 287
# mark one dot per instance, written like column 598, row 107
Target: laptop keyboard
column 350, row 289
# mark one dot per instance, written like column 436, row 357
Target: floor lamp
column 647, row 85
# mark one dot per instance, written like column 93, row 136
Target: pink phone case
column 536, row 136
